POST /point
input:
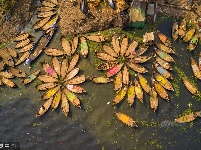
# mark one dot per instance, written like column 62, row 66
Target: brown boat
column 72, row 98
column 8, row 82
column 107, row 65
column 6, row 74
column 126, row 119
column 175, row 31
column 49, row 70
column 53, row 52
column 31, row 77
column 118, row 81
column 46, row 86
column 41, row 22
column 191, row 88
column 163, row 63
column 50, row 23
column 163, row 71
column 50, row 92
column 188, row 117
column 164, row 55
column 17, row 72
column 109, row 51
column 119, row 96
column 131, row 94
column 163, row 81
column 131, row 47
column 22, row 58
column 64, row 67
column 124, row 46
column 161, row 91
column 71, row 74
column 164, row 48
column 7, row 59
column 64, row 104
column 144, row 83
column 84, row 50
column 66, row 46
column 2, row 65
column 125, row 75
column 140, row 59
column 115, row 44
column 138, row 91
column 73, row 62
column 54, row 1
column 74, row 45
column 56, row 65
column 96, row 38
column 75, row 88
column 136, row 67
column 142, row 49
column 114, row 70
column 12, row 52
column 164, row 39
column 77, row 79
column 56, row 100
column 153, row 99
column 46, row 14
column 105, row 56
column 26, row 48
column 195, row 68
column 43, row 109
column 23, row 43
column 101, row 79
column 45, row 8
column 182, row 28
column 48, row 4
column 47, row 78
column 21, row 37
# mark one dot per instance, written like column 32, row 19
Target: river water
column 95, row 127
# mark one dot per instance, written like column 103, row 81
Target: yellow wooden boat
column 47, row 78
column 17, row 72
column 45, row 8
column 153, row 99
column 161, row 91
column 175, row 32
column 119, row 96
column 72, row 98
column 138, row 91
column 131, row 47
column 64, row 67
column 50, row 23
column 164, row 39
column 6, row 74
column 22, row 58
column 182, row 28
column 56, row 100
column 74, row 45
column 50, row 92
column 56, row 65
column 2, row 65
column 195, row 68
column 26, row 48
column 41, row 22
column 163, row 81
column 191, row 88
column 188, row 36
column 188, row 117
column 6, row 58
column 144, row 83
column 131, row 94
column 8, row 82
column 126, row 119
column 48, row 4
column 71, row 74
column 118, row 81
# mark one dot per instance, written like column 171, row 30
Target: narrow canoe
column 74, row 45
column 31, row 77
column 114, row 70
column 188, row 36
column 73, row 62
column 54, row 52
column 182, row 28
column 49, row 70
column 161, row 91
column 47, row 78
column 77, row 79
column 72, row 98
column 163, row 81
column 186, row 118
column 71, row 74
column 163, row 71
column 136, row 67
column 195, row 69
column 64, row 67
column 84, row 50
column 144, row 83
column 7, row 59
column 105, row 56
column 193, row 43
column 26, row 48
column 12, row 52
column 56, row 100
column 54, row 1
column 43, row 109
column 17, row 72
column 163, row 63
column 45, row 86
column 125, row 74
column 138, row 91
column 131, row 48
column 21, row 37
column 126, row 119
column 64, row 104
column 96, row 38
column 101, row 79
column 164, row 48
column 75, row 88
column 109, row 51
column 46, row 14
column 107, row 65
column 118, row 81
column 66, row 46
column 50, row 92
column 22, row 58
column 164, row 39
column 50, row 23
column 191, row 88
column 22, row 43
column 41, row 23
column 119, row 96
column 6, row 74
column 164, row 55
column 140, row 59
column 115, row 44
column 124, row 46
column 48, row 4
column 2, row 65
column 56, row 66
column 153, row 99
column 175, row 32
column 131, row 94
column 8, row 82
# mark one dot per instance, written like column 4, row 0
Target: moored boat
column 71, row 74
column 164, row 48
column 106, row 65
column 12, row 52
column 153, row 99
column 50, row 92
column 49, row 70
column 119, row 96
column 7, row 59
column 72, row 98
column 144, row 83
column 77, row 79
column 124, row 46
column 26, row 48
column 193, row 42
column 101, row 79
column 74, row 45
column 163, row 81
column 46, row 14
column 138, row 91
column 131, row 94
column 47, row 78
column 66, row 46
column 163, row 71
column 188, row 117
column 105, row 56
column 164, row 39
column 22, row 58
column 175, row 32
column 31, row 77
column 188, row 36
column 45, row 86
column 126, row 119
column 191, row 88
column 6, row 74
column 56, row 66
column 131, row 47
column 2, row 65
column 182, row 28
column 41, row 23
column 163, row 63
column 73, row 62
column 115, row 44
column 17, row 72
column 118, row 81
column 125, row 74
column 8, row 82
column 22, row 43
column 84, row 50
column 164, row 55
column 64, row 104
column 195, row 69
column 54, row 52
column 160, row 90
column 50, row 23
column 21, row 37
column 114, row 70
column 140, row 59
column 56, row 100
column 75, row 88
column 48, row 4
column 136, row 67
column 109, row 51
column 43, row 109
column 96, row 38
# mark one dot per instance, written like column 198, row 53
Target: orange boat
column 126, row 119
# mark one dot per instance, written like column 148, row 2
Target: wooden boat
column 22, row 58
column 74, row 45
column 124, row 46
column 131, row 94
column 138, row 51
column 163, row 63
column 54, row 1
column 45, row 8
column 141, row 59
column 41, row 22
column 126, row 119
column 153, row 99
column 53, row 52
column 41, row 44
column 64, row 104
column 160, row 90
column 188, row 36
column 31, row 77
column 21, row 37
column 101, row 79
column 115, row 44
column 73, row 62
column 75, row 88
column 47, row 78
column 195, row 69
column 72, row 98
column 118, row 81
column 50, row 23
column 138, row 90
column 66, row 46
column 125, row 75
column 71, row 74
column 105, row 56
column 84, row 47
column 162, row 71
column 164, row 55
column 114, row 70
column 175, row 30
column 56, row 100
column 6, row 74
column 7, row 59
column 163, row 81
column 164, row 39
column 17, row 72
column 12, row 52
column 64, row 67
column 144, row 83
column 119, row 96
column 23, row 43
column 107, row 65
column 77, row 79
column 96, row 38
column 193, row 43
column 48, row 4
column 199, row 61
column 50, row 92
column 182, row 28
column 109, row 51
column 43, row 109
column 8, row 82
column 49, row 70
column 191, row 88
column 136, row 67
column 46, row 14
column 188, row 117
column 26, row 48
column 2, row 65
column 56, row 65
column 46, row 86
column 164, row 48
column 131, row 48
